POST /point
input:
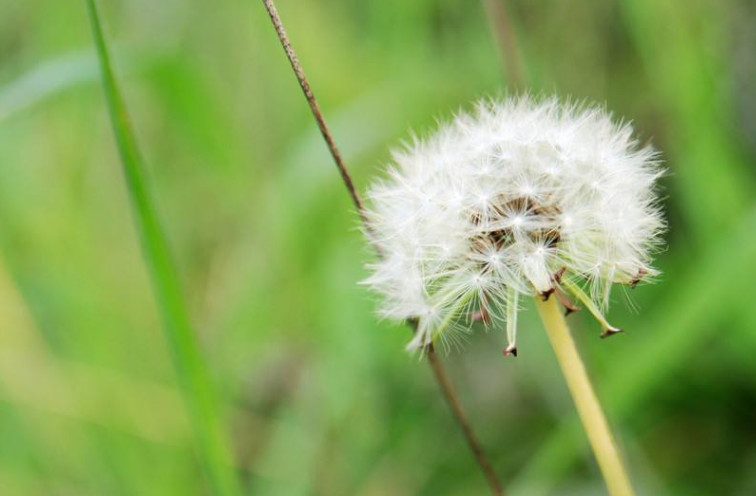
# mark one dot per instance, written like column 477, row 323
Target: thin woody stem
column 438, row 370
column 464, row 422
column 299, row 72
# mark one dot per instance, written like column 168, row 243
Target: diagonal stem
column 588, row 407
column 433, row 360
column 464, row 423
column 304, row 83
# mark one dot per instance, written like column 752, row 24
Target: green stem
column 588, row 407
column 190, row 366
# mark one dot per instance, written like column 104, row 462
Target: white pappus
column 519, row 197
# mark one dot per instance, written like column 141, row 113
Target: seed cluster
column 518, row 198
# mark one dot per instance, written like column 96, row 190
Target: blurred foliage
column 317, row 394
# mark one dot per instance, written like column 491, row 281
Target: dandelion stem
column 592, row 416
column 433, row 360
column 190, row 366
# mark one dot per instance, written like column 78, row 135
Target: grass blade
column 190, row 367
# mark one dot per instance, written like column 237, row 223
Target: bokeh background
column 319, row 397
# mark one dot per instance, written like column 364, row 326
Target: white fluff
column 518, row 198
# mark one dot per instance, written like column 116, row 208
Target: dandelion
column 519, row 198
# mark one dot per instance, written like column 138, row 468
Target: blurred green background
column 318, row 396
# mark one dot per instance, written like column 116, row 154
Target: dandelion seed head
column 498, row 201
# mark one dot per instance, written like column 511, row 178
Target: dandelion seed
column 517, row 198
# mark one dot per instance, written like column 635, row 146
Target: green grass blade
column 190, row 367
